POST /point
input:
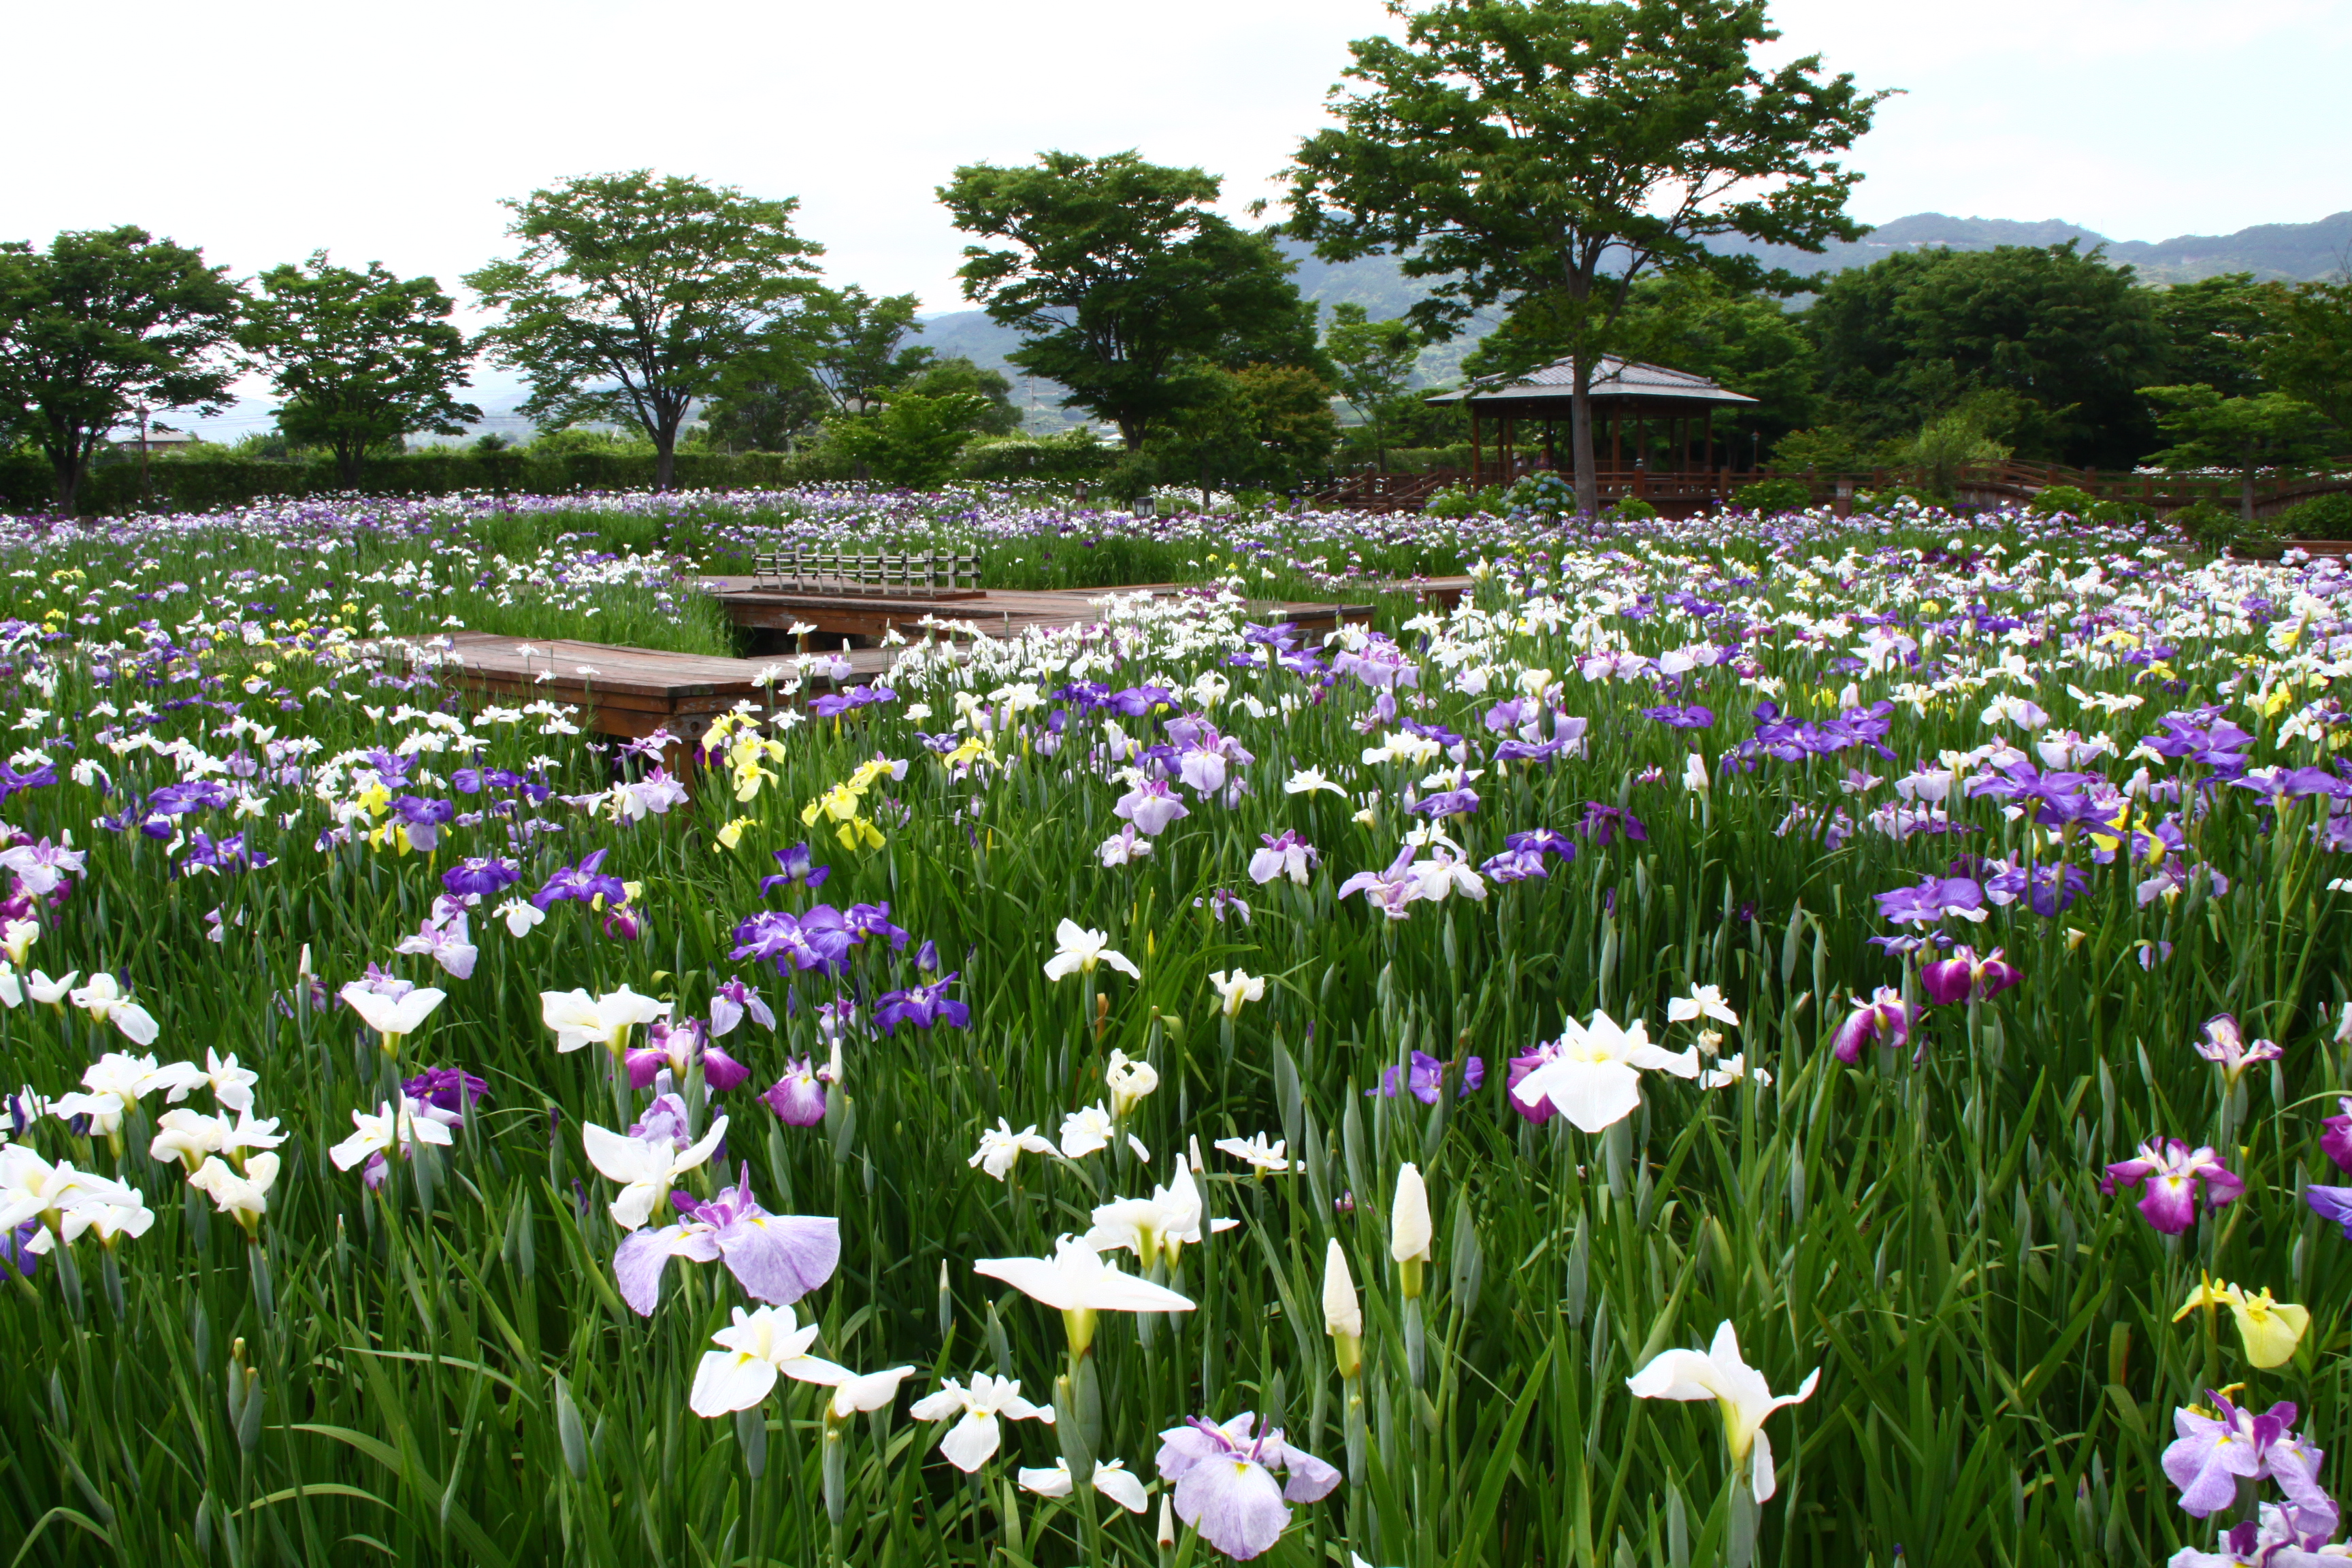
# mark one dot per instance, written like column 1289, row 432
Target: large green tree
column 635, row 294
column 2310, row 356
column 97, row 324
column 1119, row 277
column 2048, row 346
column 2248, row 433
column 1546, row 154
column 2216, row 330
column 361, row 358
column 838, row 353
column 1372, row 363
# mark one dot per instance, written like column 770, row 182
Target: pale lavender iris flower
column 1224, row 1481
column 777, row 1258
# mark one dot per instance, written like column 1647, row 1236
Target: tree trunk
column 65, row 463
column 1131, row 434
column 1580, row 438
column 348, row 459
column 666, row 460
column 2246, row 488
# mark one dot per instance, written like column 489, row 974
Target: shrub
column 2208, row 526
column 2067, row 499
column 1631, row 509
column 1765, row 495
column 2322, row 516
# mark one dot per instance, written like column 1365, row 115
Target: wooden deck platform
column 997, row 612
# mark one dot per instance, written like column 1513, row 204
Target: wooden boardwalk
column 630, row 692
column 996, row 612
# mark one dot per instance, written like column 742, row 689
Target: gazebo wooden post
column 1474, row 463
column 1708, row 464
column 1552, row 444
column 1616, row 441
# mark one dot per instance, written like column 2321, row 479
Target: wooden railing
column 879, row 576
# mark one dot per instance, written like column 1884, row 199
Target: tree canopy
column 1118, row 274
column 1545, row 154
column 635, row 294
column 101, row 321
column 361, row 358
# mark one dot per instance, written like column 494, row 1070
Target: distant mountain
column 2289, row 251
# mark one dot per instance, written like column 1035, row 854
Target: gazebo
column 1639, row 412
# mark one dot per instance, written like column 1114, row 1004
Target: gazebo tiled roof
column 1625, row 384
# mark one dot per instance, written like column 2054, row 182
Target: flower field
column 1778, row 1040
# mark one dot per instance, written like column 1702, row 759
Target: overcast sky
column 263, row 130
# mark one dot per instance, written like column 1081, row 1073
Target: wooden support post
column 1475, row 463
column 1616, row 440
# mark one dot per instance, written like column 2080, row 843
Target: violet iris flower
column 480, row 876
column 1934, row 898
column 796, row 865
column 798, row 1097
column 924, row 1006
column 1602, row 822
column 1543, row 840
column 1448, row 803
column 1964, row 977
column 14, row 1257
column 586, row 882
column 2047, row 889
column 452, row 1089
column 1688, row 716
column 1513, row 866
column 1424, row 1076
column 777, row 1258
column 2331, row 1204
column 2211, row 1455
column 1225, row 1482
column 730, row 1002
column 1285, row 854
column 818, row 939
column 423, row 818
column 867, row 922
column 1884, row 1019
column 1392, row 892
column 2172, row 1169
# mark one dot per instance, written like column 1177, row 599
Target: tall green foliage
column 101, row 323
column 361, row 358
column 1546, row 154
column 634, row 295
column 1120, row 277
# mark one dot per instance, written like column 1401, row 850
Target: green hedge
column 201, row 484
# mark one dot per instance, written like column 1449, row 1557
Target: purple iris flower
column 1392, row 890
column 423, row 818
column 1686, row 716
column 1884, row 1019
column 1965, row 977
column 1935, row 898
column 1425, row 1074
column 798, row 1097
column 586, row 882
column 818, row 939
column 924, row 1006
column 2211, row 1455
column 219, row 856
column 867, row 921
column 799, row 865
column 1542, row 840
column 1542, row 1110
column 1225, row 1482
column 2171, row 1171
column 730, row 1002
column 927, row 957
column 445, row 1088
column 776, row 1258
column 1602, row 823
column 2047, row 890
column 1448, row 803
column 2332, row 1205
column 1513, row 866
column 1138, row 701
column 15, row 1258
column 480, row 876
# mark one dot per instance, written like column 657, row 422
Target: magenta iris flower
column 798, row 1097
column 1225, row 1482
column 2336, row 1134
column 777, row 1258
column 1885, row 1019
column 2171, row 1171
column 1965, row 977
column 924, row 1006
column 675, row 1048
column 2213, row 1455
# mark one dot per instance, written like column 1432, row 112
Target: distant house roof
column 1621, row 383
